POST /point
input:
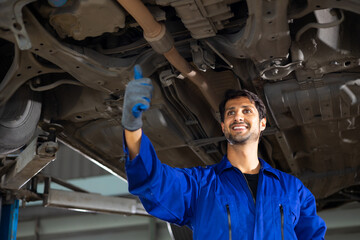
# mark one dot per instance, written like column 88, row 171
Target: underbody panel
column 301, row 57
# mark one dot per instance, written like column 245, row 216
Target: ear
column 222, row 127
column 262, row 124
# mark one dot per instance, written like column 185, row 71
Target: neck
column 244, row 157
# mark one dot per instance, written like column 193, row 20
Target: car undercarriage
column 65, row 68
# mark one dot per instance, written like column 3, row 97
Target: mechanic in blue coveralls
column 241, row 197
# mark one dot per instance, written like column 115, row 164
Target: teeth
column 239, row 127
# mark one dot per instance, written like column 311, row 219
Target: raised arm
column 136, row 100
column 167, row 193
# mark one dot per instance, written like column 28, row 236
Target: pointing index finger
column 137, row 72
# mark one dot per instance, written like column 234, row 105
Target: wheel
column 18, row 119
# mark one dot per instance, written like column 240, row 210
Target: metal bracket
column 36, row 156
column 202, row 58
column 11, row 10
column 167, row 77
column 278, row 72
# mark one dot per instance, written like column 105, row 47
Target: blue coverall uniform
column 216, row 202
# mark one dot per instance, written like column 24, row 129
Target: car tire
column 18, row 119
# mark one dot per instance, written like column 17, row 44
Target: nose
column 239, row 117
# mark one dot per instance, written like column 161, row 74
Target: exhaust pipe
column 162, row 42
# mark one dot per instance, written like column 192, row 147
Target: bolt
column 275, row 71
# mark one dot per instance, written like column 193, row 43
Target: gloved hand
column 137, row 98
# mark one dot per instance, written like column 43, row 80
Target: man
column 242, row 197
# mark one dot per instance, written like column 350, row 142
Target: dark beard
column 230, row 138
column 234, row 141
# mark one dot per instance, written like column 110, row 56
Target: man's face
column 241, row 121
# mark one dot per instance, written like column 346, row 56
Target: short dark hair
column 231, row 94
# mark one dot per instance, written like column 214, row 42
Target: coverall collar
column 225, row 164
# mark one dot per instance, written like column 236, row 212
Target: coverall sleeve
column 310, row 225
column 166, row 193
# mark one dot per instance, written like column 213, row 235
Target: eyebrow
column 242, row 106
column 230, row 108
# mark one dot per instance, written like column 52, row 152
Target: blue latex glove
column 137, row 98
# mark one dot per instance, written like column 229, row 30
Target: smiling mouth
column 239, row 126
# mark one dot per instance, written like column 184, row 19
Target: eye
column 229, row 113
column 247, row 111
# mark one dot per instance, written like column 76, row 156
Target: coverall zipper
column 229, row 219
column 282, row 221
column 252, row 194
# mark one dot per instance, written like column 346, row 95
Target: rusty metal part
column 195, row 76
column 78, row 21
column 152, row 31
column 161, row 43
column 143, row 16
